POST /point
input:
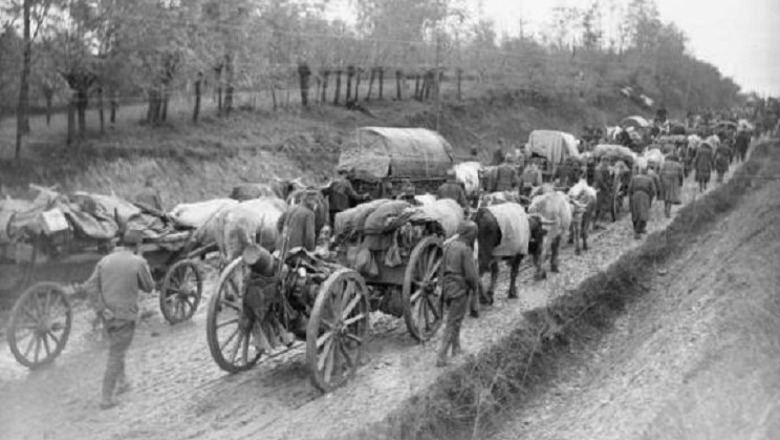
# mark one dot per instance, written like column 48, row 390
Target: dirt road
column 180, row 393
column 695, row 358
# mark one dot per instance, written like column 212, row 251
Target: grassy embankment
column 471, row 397
column 204, row 161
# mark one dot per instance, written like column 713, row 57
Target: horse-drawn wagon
column 385, row 256
column 379, row 160
column 56, row 244
column 557, row 149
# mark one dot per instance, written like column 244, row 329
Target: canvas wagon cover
column 379, row 152
column 614, row 150
column 556, row 146
column 446, row 212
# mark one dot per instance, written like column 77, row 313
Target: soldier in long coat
column 452, row 189
column 703, row 163
column 722, row 160
column 602, row 181
column 506, row 178
column 672, row 176
column 641, row 192
column 296, row 226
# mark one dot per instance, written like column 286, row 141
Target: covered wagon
column 379, row 160
column 555, row 147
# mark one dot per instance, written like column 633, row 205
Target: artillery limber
column 385, row 256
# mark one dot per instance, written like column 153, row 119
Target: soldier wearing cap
column 451, row 189
column 459, row 281
column 262, row 297
column 114, row 288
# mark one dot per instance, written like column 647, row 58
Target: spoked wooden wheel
column 40, row 325
column 337, row 330
column 228, row 327
column 423, row 309
column 181, row 291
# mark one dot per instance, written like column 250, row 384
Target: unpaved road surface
column 179, row 392
column 695, row 358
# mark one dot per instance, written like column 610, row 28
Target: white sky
column 740, row 37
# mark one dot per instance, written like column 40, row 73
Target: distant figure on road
column 672, row 176
column 452, row 189
column 149, row 197
column 113, row 289
column 498, row 154
column 342, row 196
column 641, row 192
column 703, row 163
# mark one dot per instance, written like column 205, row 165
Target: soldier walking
column 113, row 288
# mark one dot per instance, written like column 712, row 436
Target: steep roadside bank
column 694, row 358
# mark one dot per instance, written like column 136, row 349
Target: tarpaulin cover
column 379, row 152
column 635, row 121
column 195, row 215
column 614, row 150
column 353, row 219
column 445, row 212
column 555, row 146
column 515, row 231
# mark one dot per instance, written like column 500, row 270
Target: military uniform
column 459, row 280
column 113, row 288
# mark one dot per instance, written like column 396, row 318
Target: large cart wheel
column 228, row 328
column 181, row 292
column 337, row 329
column 423, row 308
column 40, row 325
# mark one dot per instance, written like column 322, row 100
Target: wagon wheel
column 337, row 329
column 228, row 328
column 423, row 309
column 40, row 325
column 181, row 292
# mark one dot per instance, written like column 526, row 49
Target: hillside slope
column 204, row 161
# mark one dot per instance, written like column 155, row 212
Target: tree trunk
column 228, row 104
column 350, row 75
column 371, row 78
column 114, row 103
column 319, row 88
column 49, row 98
column 398, row 76
column 101, row 114
column 273, row 98
column 304, row 72
column 417, row 94
column 460, row 78
column 324, row 96
column 72, row 118
column 24, row 84
column 153, row 114
column 82, row 113
column 358, row 74
column 164, row 104
column 381, row 81
column 338, row 87
column 196, row 110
